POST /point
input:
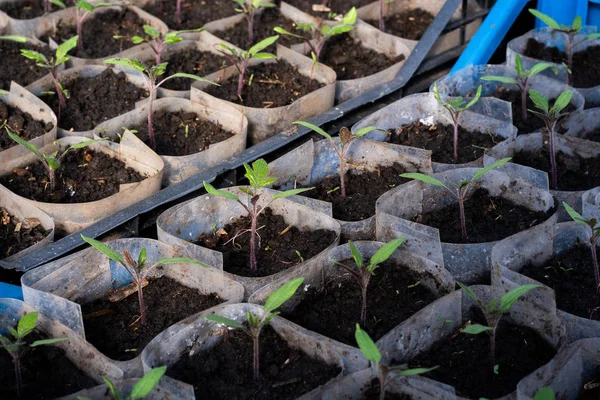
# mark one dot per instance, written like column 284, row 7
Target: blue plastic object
column 565, row 11
column 10, row 291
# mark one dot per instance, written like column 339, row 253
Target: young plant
column 52, row 162
column 58, row 3
column 462, row 191
column 258, row 177
column 150, row 76
column 240, row 59
column 158, row 41
column 59, row 58
column 346, row 138
column 570, row 32
column 249, row 9
column 456, row 107
column 141, row 389
column 593, row 236
column 551, row 116
column 255, row 323
column 363, row 272
column 522, row 80
column 493, row 312
column 138, row 270
column 17, row 347
column 371, row 353
column 84, row 9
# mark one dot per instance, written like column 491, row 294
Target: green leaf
column 47, row 342
column 58, row 3
column 291, row 192
column 507, row 301
column 35, row 56
column 190, row 76
column 490, row 167
column 468, row 291
column 180, row 260
column 264, row 56
column 476, row 329
column 151, row 31
column 540, row 101
column 26, row 144
column 145, row 385
column 339, row 29
column 137, row 40
column 594, row 36
column 545, row 393
column 314, row 128
column 363, row 131
column 173, row 40
column 85, row 143
column 415, row 371
column 423, row 178
column 519, row 66
column 26, row 324
column 473, row 100
column 282, row 31
column 350, row 17
column 127, row 62
column 575, row 215
column 281, row 295
column 358, row 259
column 367, row 346
column 541, row 67
column 113, row 390
column 386, row 251
column 577, row 23
column 225, row 321
column 63, row 49
column 502, row 79
column 15, row 38
column 561, row 102
column 545, row 19
column 104, row 249
column 263, row 44
column 85, row 6
column 142, row 257
column 221, row 193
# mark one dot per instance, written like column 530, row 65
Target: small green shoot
column 249, row 9
column 83, row 9
column 158, row 41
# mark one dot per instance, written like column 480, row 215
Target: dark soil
column 194, row 13
column 85, row 176
column 352, row 60
column 410, row 24
column 362, row 191
column 593, row 392
column 373, row 392
column 390, row 301
column 488, row 219
column 263, row 28
column 593, row 135
column 464, row 361
column 574, row 172
column 336, row 6
column 95, row 100
column 26, row 9
column 115, row 330
column 46, row 371
column 22, row 124
column 195, row 62
column 169, row 132
column 225, row 371
column 17, row 235
column 17, row 68
column 11, row 276
column 571, row 275
column 586, row 64
column 274, row 85
column 99, row 30
column 274, row 254
column 440, row 140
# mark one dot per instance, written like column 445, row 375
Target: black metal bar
column 176, row 191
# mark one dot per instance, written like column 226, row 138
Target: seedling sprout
column 158, row 41
column 249, row 10
column 83, row 9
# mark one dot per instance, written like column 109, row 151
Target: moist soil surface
column 574, row 172
column 410, row 24
column 592, row 392
column 95, row 100
column 392, row 297
column 170, row 133
column 17, row 235
column 46, row 371
column 440, row 140
column 488, row 219
column 570, row 274
column 275, row 253
column 195, row 62
column 26, row 9
column 194, row 13
column 336, row 6
column 20, row 123
column 373, row 392
column 85, row 175
column 351, row 60
column 274, row 85
column 593, row 135
column 99, row 30
column 464, row 361
column 225, row 371
column 263, row 28
column 17, row 68
column 586, row 64
column 115, row 329
column 362, row 191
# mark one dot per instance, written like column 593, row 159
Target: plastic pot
column 582, row 123
column 423, row 107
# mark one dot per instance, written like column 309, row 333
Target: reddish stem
column 463, row 222
column 253, row 239
column 18, row 375
column 524, row 100
column 250, row 29
column 141, row 301
column 256, row 360
column 150, row 129
column 79, row 33
column 381, row 21
column 455, row 119
column 342, row 177
column 242, row 71
column 363, row 310
column 493, row 346
column 52, row 177
column 46, row 6
column 62, row 103
column 178, row 13
column 554, row 173
column 595, row 261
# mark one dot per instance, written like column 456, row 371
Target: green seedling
column 371, row 353
column 462, row 191
column 545, row 393
column 47, row 3
column 249, row 9
column 157, row 41
column 53, row 161
column 84, row 9
column 522, row 80
column 150, row 76
column 346, row 138
column 15, row 38
column 551, row 117
column 60, row 57
column 17, row 347
column 255, row 323
column 382, row 4
column 257, row 175
column 141, row 389
column 138, row 270
column 240, row 59
column 570, row 32
column 456, row 106
column 493, row 312
column 363, row 272
column 593, row 230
